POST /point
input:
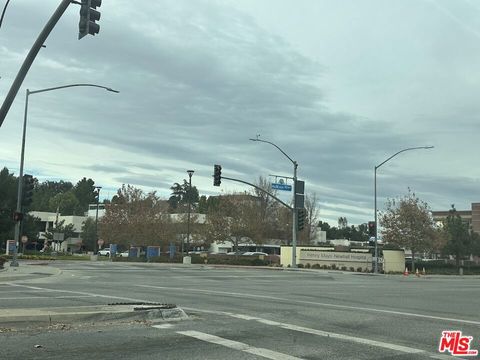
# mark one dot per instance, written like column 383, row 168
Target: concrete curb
column 93, row 314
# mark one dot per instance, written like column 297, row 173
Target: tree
column 43, row 192
column 234, row 219
column 459, row 240
column 265, row 210
column 84, row 191
column 60, row 227
column 407, row 222
column 89, row 233
column 182, row 195
column 342, row 222
column 136, row 218
column 311, row 221
column 8, row 204
column 64, row 203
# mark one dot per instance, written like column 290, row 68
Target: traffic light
column 17, row 216
column 27, row 192
column 96, row 195
column 88, row 16
column 217, row 175
column 371, row 228
column 301, row 213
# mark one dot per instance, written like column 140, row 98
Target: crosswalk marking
column 236, row 345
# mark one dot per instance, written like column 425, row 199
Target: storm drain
column 154, row 311
column 145, row 305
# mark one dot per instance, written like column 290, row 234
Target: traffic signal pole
column 375, row 270
column 32, row 54
column 294, row 216
column 260, row 189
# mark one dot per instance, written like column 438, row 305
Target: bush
column 2, row 261
column 447, row 268
column 316, row 266
column 359, row 269
column 300, row 266
column 343, row 268
column 308, row 266
column 333, row 267
column 324, row 267
column 352, row 269
column 231, row 260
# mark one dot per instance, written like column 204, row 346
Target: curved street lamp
column 294, row 208
column 22, row 155
column 375, row 195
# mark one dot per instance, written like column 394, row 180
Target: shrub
column 343, row 268
column 308, row 266
column 333, row 267
column 324, row 266
column 352, row 269
column 316, row 266
column 300, row 266
column 359, row 269
column 2, row 261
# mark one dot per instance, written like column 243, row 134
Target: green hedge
column 52, row 257
column 440, row 267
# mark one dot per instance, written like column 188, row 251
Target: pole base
column 14, row 263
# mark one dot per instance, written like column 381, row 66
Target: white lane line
column 45, row 297
column 163, row 326
column 81, row 293
column 236, row 345
column 290, row 301
column 240, row 316
column 341, row 337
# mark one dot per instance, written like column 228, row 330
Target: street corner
column 28, row 270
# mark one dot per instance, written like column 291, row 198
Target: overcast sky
column 338, row 85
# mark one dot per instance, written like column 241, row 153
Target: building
column 46, row 222
column 470, row 217
column 92, row 210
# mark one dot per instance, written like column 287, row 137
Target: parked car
column 124, row 253
column 104, row 252
column 254, row 253
column 236, row 253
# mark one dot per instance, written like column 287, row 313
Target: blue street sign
column 283, row 187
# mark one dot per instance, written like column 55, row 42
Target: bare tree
column 313, row 213
column 234, row 218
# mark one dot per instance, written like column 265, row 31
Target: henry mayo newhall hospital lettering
column 338, row 258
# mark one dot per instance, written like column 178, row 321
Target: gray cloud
column 197, row 79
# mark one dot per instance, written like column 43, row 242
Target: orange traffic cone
column 405, row 273
column 417, row 274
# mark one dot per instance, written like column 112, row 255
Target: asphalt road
column 240, row 313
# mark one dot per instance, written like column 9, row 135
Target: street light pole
column 375, row 196
column 190, row 173
column 97, row 189
column 294, row 208
column 22, row 158
column 14, row 262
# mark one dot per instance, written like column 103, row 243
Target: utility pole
column 190, row 173
column 97, row 196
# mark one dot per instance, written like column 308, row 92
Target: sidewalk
column 28, row 269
